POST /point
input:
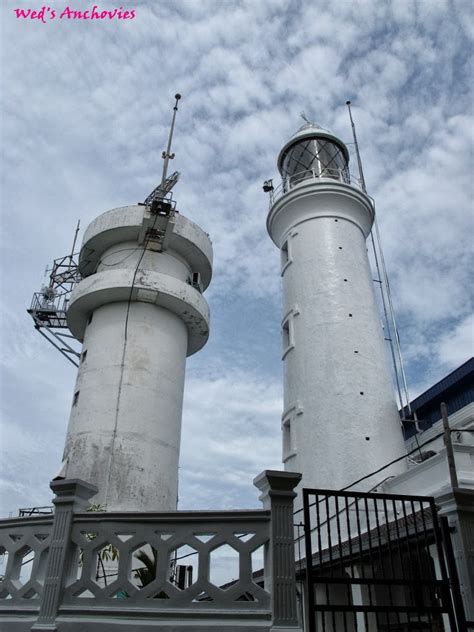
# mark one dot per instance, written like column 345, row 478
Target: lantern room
column 313, row 153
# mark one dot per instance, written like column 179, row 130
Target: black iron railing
column 376, row 562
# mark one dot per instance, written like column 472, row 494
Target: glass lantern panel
column 314, row 158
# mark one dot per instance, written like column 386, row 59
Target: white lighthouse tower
column 340, row 420
column 139, row 312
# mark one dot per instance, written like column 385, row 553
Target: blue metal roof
column 456, row 389
column 447, row 382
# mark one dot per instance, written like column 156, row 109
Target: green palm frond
column 147, row 573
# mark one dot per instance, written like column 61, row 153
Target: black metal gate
column 378, row 564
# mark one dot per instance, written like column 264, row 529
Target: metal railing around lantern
column 288, row 183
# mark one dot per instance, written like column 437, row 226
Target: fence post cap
column 276, row 483
column 74, row 491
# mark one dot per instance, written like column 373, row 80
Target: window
column 90, row 319
column 289, row 427
column 83, row 355
column 287, row 332
column 75, row 398
column 286, row 254
column 287, row 442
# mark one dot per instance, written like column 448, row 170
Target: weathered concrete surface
column 138, row 316
column 129, row 624
column 121, row 225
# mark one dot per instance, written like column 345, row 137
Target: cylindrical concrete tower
column 340, row 421
column 139, row 312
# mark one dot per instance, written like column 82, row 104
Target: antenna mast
column 359, row 161
column 160, row 192
column 167, row 155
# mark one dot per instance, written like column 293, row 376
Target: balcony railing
column 151, row 567
column 290, row 182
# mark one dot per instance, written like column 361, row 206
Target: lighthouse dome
column 313, row 152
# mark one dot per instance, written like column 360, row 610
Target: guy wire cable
column 392, row 331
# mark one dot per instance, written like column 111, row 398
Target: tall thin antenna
column 167, row 155
column 359, row 161
column 384, row 282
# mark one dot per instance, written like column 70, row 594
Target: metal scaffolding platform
column 49, row 305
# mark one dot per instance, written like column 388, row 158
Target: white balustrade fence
column 79, row 570
column 107, row 567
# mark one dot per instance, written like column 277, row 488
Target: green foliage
column 108, row 553
column 147, row 573
column 96, row 507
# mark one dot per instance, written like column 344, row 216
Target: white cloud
column 231, row 432
column 455, row 345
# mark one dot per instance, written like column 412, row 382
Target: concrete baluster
column 71, row 495
column 277, row 495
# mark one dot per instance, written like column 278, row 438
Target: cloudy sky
column 86, row 108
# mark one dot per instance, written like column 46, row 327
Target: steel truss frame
column 49, row 306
